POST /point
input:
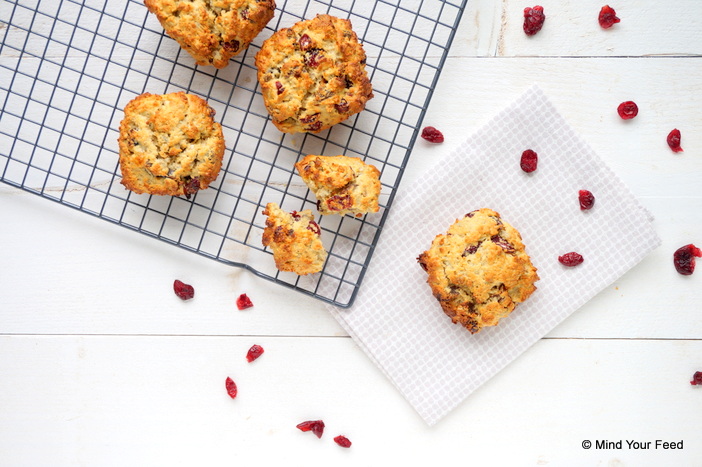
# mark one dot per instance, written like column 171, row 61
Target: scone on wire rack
column 313, row 75
column 294, row 239
column 169, row 144
column 212, row 31
column 342, row 185
column 479, row 270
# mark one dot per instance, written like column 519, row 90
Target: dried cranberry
column 502, row 243
column 529, row 161
column 571, row 259
column 339, row 202
column 697, row 379
column 305, row 42
column 533, row 19
column 314, row 227
column 314, row 57
column 316, row 126
column 342, row 107
column 432, row 135
column 254, row 352
column 182, row 290
column 316, row 426
column 472, row 249
column 342, row 441
column 608, row 17
column 674, row 140
column 279, row 87
column 231, row 387
column 684, row 259
column 191, row 186
column 586, row 199
column 231, row 46
column 310, row 118
column 243, row 302
column 628, row 110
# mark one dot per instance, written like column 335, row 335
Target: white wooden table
column 103, row 365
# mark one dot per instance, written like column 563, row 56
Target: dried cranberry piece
column 191, row 186
column 607, row 17
column 432, row 135
column 316, row 126
column 472, row 249
column 314, row 227
column 571, row 259
column 305, row 42
column 342, row 441
column 586, row 199
column 628, row 110
column 309, row 118
column 231, row 46
column 342, row 107
column 243, row 301
column 684, row 259
column 529, row 161
column 254, row 352
column 314, row 57
column 533, row 19
column 279, row 87
column 502, row 243
column 182, row 290
column 674, row 140
column 697, row 379
column 339, row 202
column 231, row 387
column 316, row 426
column 245, row 13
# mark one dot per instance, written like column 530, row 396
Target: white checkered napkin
column 396, row 320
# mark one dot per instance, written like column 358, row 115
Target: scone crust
column 342, row 185
column 294, row 239
column 169, row 144
column 212, row 31
column 313, row 75
column 479, row 270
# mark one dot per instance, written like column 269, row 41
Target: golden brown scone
column 313, row 75
column 169, row 144
column 212, row 31
column 294, row 239
column 342, row 185
column 479, row 270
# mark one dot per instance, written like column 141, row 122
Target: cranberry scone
column 169, row 144
column 212, row 31
column 294, row 239
column 342, row 185
column 479, row 270
column 312, row 75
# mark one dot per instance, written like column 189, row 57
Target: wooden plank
column 492, row 28
column 161, row 401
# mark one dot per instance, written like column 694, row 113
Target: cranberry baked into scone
column 342, row 185
column 313, row 75
column 294, row 239
column 479, row 270
column 169, row 144
column 212, row 31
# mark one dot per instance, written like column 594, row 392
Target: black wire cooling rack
column 68, row 68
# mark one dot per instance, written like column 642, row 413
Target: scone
column 343, row 185
column 479, row 270
column 169, row 144
column 294, row 239
column 212, row 31
column 313, row 75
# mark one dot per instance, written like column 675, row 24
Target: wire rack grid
column 68, row 68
